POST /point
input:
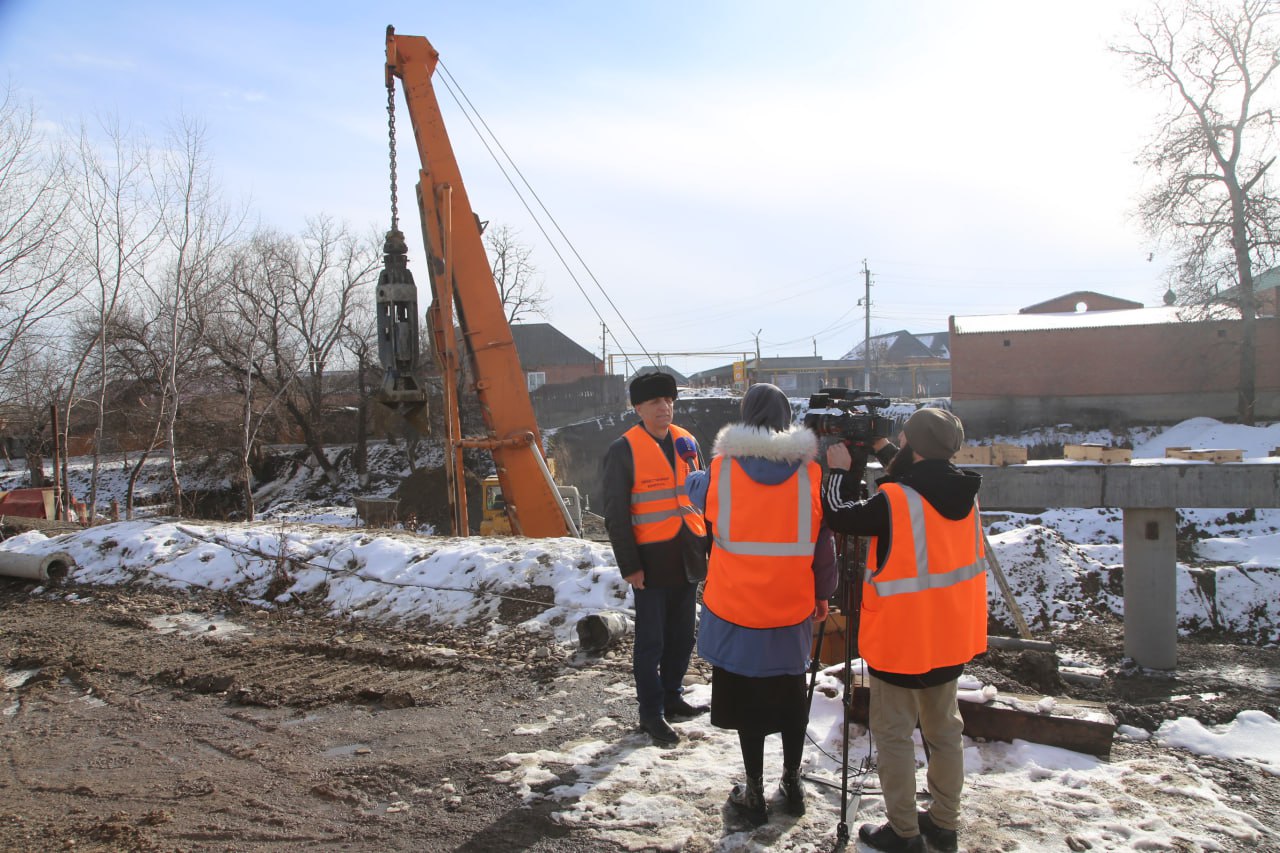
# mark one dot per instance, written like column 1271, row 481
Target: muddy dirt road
column 144, row 721
column 288, row 735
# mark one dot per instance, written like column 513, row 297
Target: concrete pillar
column 1150, row 587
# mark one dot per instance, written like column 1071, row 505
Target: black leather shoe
column 681, row 708
column 942, row 840
column 884, row 838
column 658, row 729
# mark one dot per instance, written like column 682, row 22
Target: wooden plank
column 1206, row 454
column 972, row 455
column 1083, row 452
column 1078, row 726
column 1116, row 455
column 1008, row 454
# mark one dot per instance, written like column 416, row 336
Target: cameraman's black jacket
column 947, row 488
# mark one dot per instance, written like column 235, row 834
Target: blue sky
column 724, row 168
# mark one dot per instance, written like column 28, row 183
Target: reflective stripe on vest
column 723, row 530
column 760, row 574
column 659, row 502
column 924, row 579
column 915, row 620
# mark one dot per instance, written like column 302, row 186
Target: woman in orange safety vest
column 771, row 572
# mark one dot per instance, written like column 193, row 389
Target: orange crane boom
column 463, row 291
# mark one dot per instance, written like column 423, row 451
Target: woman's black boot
column 748, row 801
column 793, row 791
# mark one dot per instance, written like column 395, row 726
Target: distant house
column 566, row 381
column 1080, row 300
column 905, row 364
column 680, row 378
column 1104, row 367
column 549, row 357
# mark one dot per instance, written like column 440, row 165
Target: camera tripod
column 850, row 558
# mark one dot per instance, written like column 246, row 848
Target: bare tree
column 197, row 230
column 241, row 340
column 31, row 384
column 33, row 253
column 521, row 288
column 116, row 233
column 1214, row 200
column 305, row 293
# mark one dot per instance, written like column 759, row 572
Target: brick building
column 566, row 381
column 549, row 357
column 1096, row 368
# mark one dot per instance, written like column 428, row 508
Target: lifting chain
column 391, row 133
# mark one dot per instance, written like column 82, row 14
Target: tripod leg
column 815, row 664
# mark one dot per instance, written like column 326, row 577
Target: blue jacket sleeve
column 696, row 484
column 824, row 565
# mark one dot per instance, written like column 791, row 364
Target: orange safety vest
column 659, row 502
column 761, row 570
column 926, row 607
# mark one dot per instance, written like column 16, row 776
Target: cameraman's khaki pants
column 893, row 716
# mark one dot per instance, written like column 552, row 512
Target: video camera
column 832, row 412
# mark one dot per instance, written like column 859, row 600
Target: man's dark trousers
column 665, row 618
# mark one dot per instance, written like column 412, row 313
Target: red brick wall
column 1163, row 359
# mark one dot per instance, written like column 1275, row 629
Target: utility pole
column 866, row 340
column 604, row 344
column 756, row 374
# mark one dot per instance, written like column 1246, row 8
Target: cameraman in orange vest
column 923, row 616
column 660, row 544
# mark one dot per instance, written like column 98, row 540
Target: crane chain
column 391, row 133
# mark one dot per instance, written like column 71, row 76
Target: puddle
column 195, row 624
column 298, row 721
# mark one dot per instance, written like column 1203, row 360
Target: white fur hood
column 794, row 446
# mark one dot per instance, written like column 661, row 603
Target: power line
column 450, row 83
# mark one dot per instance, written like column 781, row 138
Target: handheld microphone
column 688, row 451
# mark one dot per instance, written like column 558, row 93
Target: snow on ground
column 1020, row 796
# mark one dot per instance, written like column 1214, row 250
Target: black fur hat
column 648, row 386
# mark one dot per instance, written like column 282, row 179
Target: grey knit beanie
column 765, row 405
column 934, row 433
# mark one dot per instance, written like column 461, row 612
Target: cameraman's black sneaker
column 942, row 840
column 884, row 838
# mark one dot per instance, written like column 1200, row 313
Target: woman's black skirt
column 757, row 705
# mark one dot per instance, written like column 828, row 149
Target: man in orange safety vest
column 660, row 544
column 923, row 616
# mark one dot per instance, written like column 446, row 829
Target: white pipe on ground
column 39, row 567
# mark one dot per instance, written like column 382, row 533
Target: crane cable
column 468, row 109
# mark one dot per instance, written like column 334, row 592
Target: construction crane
column 463, row 293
